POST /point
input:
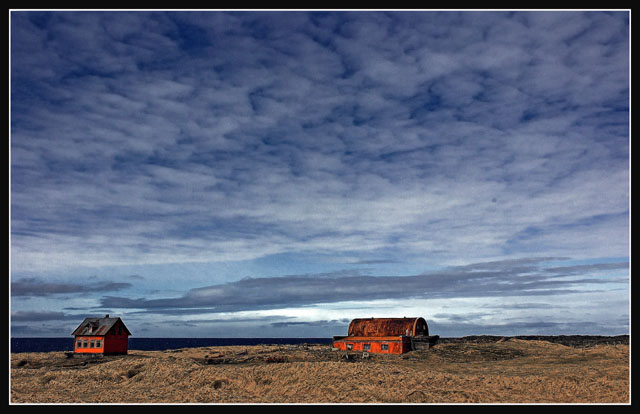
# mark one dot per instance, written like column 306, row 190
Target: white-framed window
column 384, row 347
column 366, row 347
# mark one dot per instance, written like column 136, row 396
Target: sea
column 19, row 345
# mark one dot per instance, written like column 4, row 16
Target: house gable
column 99, row 326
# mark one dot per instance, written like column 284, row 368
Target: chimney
column 106, row 316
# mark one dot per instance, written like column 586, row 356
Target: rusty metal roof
column 369, row 338
column 388, row 327
column 97, row 326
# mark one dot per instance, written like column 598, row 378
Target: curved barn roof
column 388, row 327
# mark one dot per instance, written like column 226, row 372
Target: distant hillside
column 568, row 340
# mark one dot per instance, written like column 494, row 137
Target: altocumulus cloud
column 490, row 148
column 157, row 137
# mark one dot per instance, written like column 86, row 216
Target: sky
column 279, row 173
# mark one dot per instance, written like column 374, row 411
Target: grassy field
column 507, row 370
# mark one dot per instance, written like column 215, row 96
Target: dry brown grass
column 511, row 371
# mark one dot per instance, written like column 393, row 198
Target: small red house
column 384, row 335
column 101, row 336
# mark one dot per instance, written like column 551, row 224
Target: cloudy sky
column 279, row 173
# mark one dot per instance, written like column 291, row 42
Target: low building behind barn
column 385, row 335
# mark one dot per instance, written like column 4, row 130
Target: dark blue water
column 157, row 344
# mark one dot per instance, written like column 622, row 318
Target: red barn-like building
column 101, row 336
column 384, row 335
